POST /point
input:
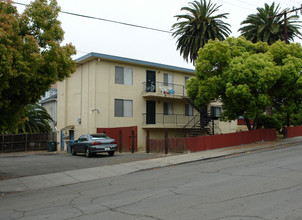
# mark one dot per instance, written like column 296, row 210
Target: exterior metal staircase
column 193, row 104
column 200, row 122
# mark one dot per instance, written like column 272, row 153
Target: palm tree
column 267, row 27
column 197, row 27
column 36, row 120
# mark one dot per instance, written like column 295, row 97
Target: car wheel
column 87, row 152
column 73, row 153
column 111, row 153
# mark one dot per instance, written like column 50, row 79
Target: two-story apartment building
column 49, row 102
column 109, row 91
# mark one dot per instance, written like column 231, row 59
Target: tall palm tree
column 197, row 27
column 264, row 26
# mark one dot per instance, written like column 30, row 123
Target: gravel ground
column 14, row 165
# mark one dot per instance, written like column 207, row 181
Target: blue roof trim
column 129, row 60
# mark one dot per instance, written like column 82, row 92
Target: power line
column 128, row 24
column 288, row 3
column 285, row 21
column 112, row 21
column 247, row 3
column 234, row 5
column 107, row 20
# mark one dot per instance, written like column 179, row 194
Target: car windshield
column 99, row 136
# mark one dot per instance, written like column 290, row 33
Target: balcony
column 161, row 120
column 164, row 90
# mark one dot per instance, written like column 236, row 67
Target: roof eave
column 93, row 55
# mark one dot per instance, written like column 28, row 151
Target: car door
column 79, row 148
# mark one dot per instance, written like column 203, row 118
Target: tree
column 32, row 58
column 287, row 91
column 197, row 27
column 35, row 120
column 265, row 26
column 248, row 77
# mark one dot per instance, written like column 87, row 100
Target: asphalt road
column 22, row 164
column 257, row 185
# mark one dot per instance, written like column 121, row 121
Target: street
column 258, row 185
column 23, row 164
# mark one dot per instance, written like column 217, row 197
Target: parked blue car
column 90, row 144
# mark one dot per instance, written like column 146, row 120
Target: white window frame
column 168, row 79
column 168, row 108
column 215, row 111
column 189, row 110
column 127, row 76
column 125, row 108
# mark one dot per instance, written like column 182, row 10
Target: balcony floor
column 162, row 126
column 162, row 95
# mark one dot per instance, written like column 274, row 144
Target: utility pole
column 285, row 21
column 285, row 28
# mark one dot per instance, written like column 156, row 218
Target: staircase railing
column 215, row 129
column 193, row 121
column 193, row 104
column 198, row 119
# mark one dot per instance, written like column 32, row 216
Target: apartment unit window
column 168, row 79
column 123, row 75
column 123, row 108
column 215, row 112
column 168, row 108
column 188, row 110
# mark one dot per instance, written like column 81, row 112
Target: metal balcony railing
column 164, row 88
column 161, row 118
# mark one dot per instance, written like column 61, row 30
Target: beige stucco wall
column 93, row 86
column 222, row 127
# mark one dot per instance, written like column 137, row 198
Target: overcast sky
column 89, row 35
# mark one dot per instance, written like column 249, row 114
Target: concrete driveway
column 22, row 164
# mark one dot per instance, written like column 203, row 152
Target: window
column 168, row 79
column 83, row 138
column 99, row 136
column 188, row 110
column 215, row 112
column 123, row 108
column 123, row 75
column 168, row 108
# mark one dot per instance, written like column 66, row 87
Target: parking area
column 22, row 164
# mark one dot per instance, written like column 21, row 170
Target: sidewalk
column 88, row 174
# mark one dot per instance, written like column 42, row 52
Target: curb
column 44, row 181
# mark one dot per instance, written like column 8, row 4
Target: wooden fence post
column 26, row 142
column 120, row 141
column 132, row 143
column 148, row 142
column 166, row 142
column 2, row 143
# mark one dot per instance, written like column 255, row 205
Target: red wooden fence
column 126, row 137
column 294, row 131
column 202, row 143
column 226, row 140
column 175, row 145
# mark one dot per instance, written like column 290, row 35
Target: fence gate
column 123, row 137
